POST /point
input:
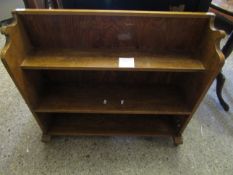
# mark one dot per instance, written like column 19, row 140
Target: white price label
column 126, row 62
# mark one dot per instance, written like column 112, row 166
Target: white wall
column 6, row 6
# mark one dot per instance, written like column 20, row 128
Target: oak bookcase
column 65, row 63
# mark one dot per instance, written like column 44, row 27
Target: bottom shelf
column 108, row 125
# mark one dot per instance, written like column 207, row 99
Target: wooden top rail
column 113, row 13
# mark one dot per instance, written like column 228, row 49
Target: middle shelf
column 68, row 59
column 114, row 99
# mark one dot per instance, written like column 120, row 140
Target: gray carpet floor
column 207, row 148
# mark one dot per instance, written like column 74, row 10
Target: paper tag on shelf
column 126, row 62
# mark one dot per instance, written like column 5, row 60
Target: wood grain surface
column 109, row 60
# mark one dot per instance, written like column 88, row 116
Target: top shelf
column 109, row 60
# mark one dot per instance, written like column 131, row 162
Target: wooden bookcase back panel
column 112, row 31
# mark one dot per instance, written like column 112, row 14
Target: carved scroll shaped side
column 218, row 35
column 212, row 59
column 14, row 52
column 8, row 32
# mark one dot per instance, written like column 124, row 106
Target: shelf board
column 111, row 125
column 137, row 100
column 109, row 60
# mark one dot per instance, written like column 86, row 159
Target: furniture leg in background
column 224, row 20
column 227, row 49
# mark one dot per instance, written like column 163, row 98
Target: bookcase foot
column 45, row 138
column 178, row 140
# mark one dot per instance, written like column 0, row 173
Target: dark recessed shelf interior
column 105, row 92
column 113, row 99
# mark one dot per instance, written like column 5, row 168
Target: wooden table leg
column 219, row 86
column 227, row 49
